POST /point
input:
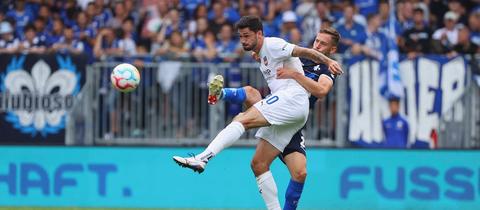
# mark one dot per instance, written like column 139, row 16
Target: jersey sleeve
column 328, row 74
column 279, row 48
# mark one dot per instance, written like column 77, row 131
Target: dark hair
column 195, row 15
column 129, row 19
column 350, row 4
column 394, row 99
column 42, row 19
column 29, row 27
column 251, row 22
column 332, row 32
column 371, row 16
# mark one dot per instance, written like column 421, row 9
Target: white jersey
column 277, row 53
column 286, row 109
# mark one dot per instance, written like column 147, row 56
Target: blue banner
column 147, row 177
column 432, row 86
column 391, row 84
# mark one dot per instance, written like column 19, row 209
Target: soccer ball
column 125, row 77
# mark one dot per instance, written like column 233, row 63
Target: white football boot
column 197, row 165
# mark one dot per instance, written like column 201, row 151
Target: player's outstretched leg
column 252, row 118
column 224, row 139
column 215, row 93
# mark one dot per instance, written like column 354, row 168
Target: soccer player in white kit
column 279, row 115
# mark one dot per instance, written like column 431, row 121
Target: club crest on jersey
column 265, row 61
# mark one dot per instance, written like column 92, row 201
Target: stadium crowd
column 203, row 29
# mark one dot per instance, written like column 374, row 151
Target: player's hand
column 285, row 73
column 255, row 57
column 334, row 67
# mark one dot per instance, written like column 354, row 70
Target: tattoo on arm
column 311, row 54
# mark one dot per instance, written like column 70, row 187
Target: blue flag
column 391, row 84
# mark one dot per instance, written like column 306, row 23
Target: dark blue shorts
column 297, row 144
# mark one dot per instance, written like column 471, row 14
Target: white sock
column 268, row 189
column 224, row 139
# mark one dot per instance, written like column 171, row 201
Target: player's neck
column 259, row 46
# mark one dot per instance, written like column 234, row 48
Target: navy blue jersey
column 313, row 71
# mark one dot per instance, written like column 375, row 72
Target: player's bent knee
column 253, row 96
column 242, row 118
column 299, row 175
column 259, row 167
column 239, row 117
column 248, row 120
column 251, row 92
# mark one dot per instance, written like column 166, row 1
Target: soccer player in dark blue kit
column 316, row 79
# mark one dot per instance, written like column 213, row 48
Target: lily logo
column 37, row 101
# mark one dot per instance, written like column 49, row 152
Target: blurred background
column 408, row 104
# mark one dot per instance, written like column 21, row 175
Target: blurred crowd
column 203, row 29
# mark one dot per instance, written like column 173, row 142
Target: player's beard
column 325, row 52
column 250, row 48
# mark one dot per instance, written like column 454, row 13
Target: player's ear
column 259, row 33
column 333, row 50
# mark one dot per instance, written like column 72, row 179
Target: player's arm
column 317, row 57
column 318, row 88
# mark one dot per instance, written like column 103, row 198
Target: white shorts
column 287, row 112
